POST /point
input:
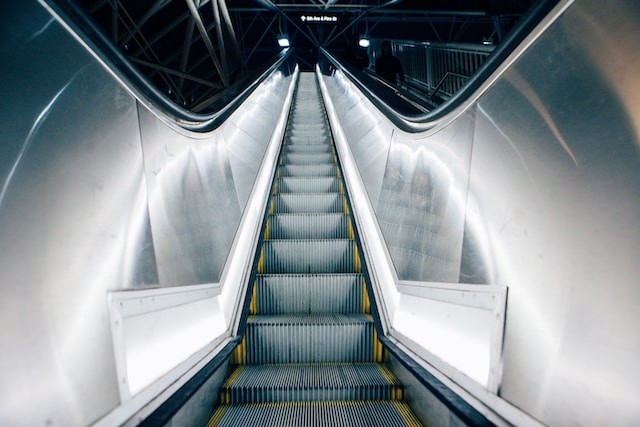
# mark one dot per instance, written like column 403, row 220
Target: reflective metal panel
column 551, row 211
column 368, row 134
column 193, row 204
column 417, row 184
column 247, row 132
column 554, row 183
column 422, row 203
column 73, row 222
column 199, row 184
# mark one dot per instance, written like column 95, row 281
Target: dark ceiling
column 194, row 49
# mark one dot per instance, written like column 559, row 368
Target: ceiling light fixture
column 283, row 40
column 364, row 41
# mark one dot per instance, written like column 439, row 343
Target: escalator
column 310, row 353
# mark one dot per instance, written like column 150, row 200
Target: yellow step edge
column 356, row 259
column 234, row 376
column 217, row 416
column 345, row 206
column 350, row 232
column 378, row 349
column 407, row 415
column 261, row 261
column 267, row 229
column 366, row 303
column 239, row 356
column 253, row 306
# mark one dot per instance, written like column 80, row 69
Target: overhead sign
column 326, row 19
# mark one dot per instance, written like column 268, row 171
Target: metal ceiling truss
column 357, row 18
column 194, row 49
column 172, row 40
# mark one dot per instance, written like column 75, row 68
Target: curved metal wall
column 97, row 194
column 533, row 186
column 199, row 185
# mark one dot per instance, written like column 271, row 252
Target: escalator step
column 307, row 148
column 316, row 414
column 298, row 138
column 309, row 185
column 309, row 256
column 307, row 158
column 308, row 203
column 308, row 170
column 314, row 382
column 309, row 294
column 309, row 226
column 311, row 126
column 309, row 339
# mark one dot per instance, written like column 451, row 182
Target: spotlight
column 283, row 40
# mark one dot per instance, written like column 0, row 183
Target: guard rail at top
column 124, row 70
column 476, row 85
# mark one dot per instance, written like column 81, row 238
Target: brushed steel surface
column 73, row 221
column 417, row 185
column 555, row 178
column 550, row 210
column 193, row 204
column 368, row 134
column 200, row 184
column 422, row 203
column 247, row 132
column 78, row 215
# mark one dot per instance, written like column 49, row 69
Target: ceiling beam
column 207, row 41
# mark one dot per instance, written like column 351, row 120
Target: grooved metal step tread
column 316, row 414
column 308, row 135
column 312, row 382
column 307, row 148
column 301, row 338
column 308, row 158
column 312, row 114
column 308, row 170
column 311, row 139
column 313, row 319
column 308, row 185
column 310, row 294
column 309, row 226
column 311, row 126
column 309, row 256
column 308, row 203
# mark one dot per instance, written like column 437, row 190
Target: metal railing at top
column 456, row 80
column 441, row 68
